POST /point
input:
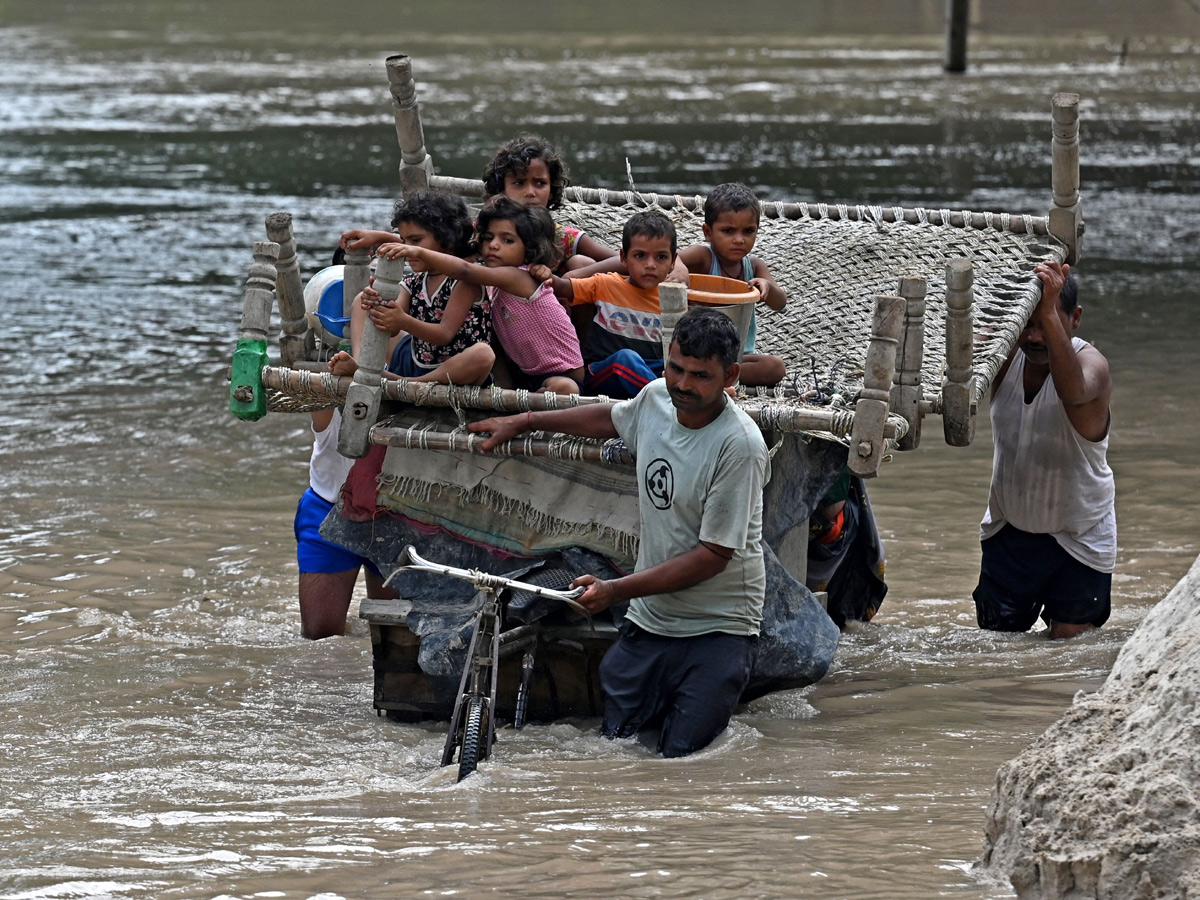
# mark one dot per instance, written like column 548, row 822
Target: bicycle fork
column 477, row 688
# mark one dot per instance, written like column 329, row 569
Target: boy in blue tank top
column 731, row 215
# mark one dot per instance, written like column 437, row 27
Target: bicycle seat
column 526, row 607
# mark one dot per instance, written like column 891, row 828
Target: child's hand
column 369, row 299
column 769, row 292
column 365, row 238
column 357, row 239
column 540, row 272
column 343, row 363
column 678, row 274
column 387, row 317
column 397, row 250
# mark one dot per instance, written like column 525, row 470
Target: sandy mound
column 1104, row 804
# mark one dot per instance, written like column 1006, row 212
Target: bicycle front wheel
column 474, row 737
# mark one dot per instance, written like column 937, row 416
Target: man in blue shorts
column 1050, row 531
column 690, row 636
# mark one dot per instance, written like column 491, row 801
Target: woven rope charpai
column 832, row 262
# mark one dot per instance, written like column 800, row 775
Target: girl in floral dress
column 446, row 322
column 533, row 328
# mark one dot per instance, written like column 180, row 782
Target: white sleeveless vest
column 1046, row 478
column 327, row 469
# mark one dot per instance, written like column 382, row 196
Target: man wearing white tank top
column 1049, row 535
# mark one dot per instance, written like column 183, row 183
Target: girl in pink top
column 534, row 329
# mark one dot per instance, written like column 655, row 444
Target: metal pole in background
column 957, row 14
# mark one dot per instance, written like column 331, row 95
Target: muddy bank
column 1104, row 804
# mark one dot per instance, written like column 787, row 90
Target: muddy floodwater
column 166, row 732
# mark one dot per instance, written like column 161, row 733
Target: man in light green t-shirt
column 689, row 639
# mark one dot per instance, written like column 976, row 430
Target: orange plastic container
column 729, row 295
column 717, row 290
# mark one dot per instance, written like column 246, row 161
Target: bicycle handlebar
column 410, row 559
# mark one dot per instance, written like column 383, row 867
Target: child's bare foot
column 342, row 363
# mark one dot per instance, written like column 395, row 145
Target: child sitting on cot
column 731, row 215
column 367, row 239
column 623, row 348
column 531, row 171
column 533, row 328
column 447, row 322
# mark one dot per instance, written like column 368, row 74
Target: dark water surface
column 165, row 731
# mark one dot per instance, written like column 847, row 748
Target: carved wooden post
column 958, row 14
column 672, row 301
column 1066, row 215
column 247, row 399
column 416, row 166
column 362, row 397
column 293, row 330
column 870, row 414
column 907, row 392
column 958, row 400
column 356, row 275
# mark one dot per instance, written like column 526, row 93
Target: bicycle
column 473, row 722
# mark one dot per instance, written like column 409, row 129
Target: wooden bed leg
column 871, row 412
column 958, row 401
column 294, row 336
column 362, row 397
column 672, row 300
column 416, row 165
column 356, row 275
column 907, row 391
column 793, row 551
column 1066, row 215
column 247, row 399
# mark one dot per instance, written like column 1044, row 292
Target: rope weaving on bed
column 832, row 260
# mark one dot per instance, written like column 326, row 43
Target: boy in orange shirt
column 623, row 348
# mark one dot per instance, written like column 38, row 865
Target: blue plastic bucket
column 323, row 304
